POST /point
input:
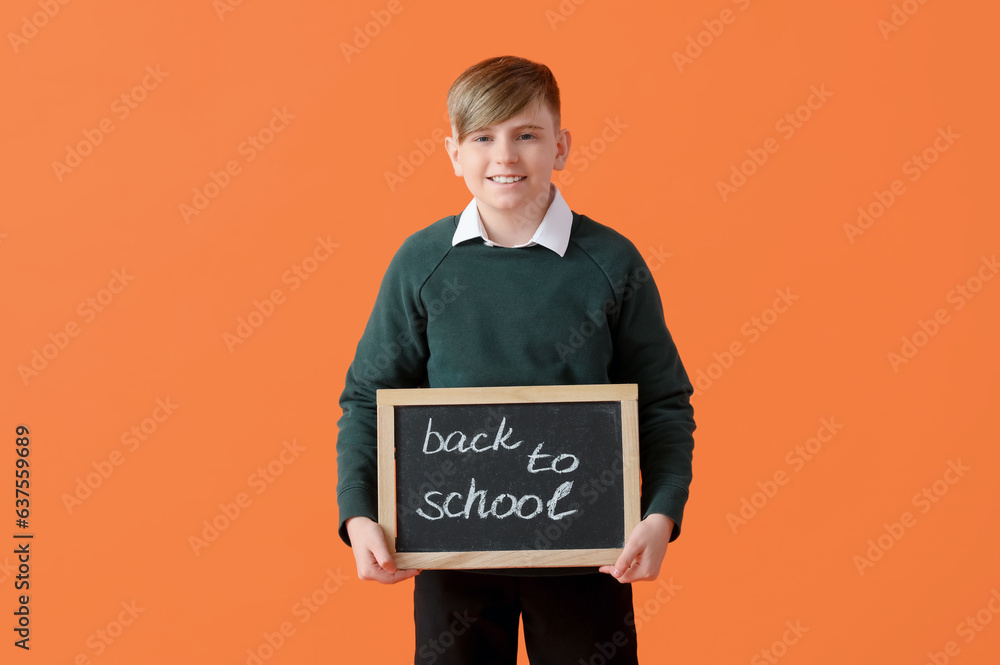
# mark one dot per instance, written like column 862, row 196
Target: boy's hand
column 644, row 550
column 372, row 555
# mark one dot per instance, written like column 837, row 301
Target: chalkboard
column 513, row 476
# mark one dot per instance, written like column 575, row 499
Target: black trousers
column 472, row 619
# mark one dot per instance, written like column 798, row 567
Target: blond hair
column 497, row 89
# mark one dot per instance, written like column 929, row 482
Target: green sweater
column 475, row 315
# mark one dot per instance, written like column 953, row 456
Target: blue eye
column 480, row 137
column 531, row 136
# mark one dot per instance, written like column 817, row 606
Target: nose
column 505, row 152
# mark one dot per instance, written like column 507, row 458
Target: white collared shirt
column 553, row 232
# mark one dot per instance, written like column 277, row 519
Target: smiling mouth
column 506, row 180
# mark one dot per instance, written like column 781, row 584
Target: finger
column 369, row 567
column 383, row 577
column 643, row 570
column 609, row 569
column 625, row 560
column 382, row 556
column 376, row 574
column 372, row 572
column 405, row 574
column 387, row 564
column 635, row 573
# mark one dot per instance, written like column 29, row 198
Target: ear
column 451, row 146
column 563, row 142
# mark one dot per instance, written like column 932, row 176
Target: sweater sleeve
column 646, row 355
column 392, row 353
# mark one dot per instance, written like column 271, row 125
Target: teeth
column 504, row 179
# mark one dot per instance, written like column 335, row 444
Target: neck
column 516, row 227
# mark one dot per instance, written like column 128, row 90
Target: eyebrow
column 516, row 129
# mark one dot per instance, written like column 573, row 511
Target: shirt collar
column 553, row 232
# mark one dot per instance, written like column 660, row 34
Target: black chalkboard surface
column 508, row 476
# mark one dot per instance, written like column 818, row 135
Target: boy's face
column 528, row 147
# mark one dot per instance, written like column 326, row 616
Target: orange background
column 323, row 176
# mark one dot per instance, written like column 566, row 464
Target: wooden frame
column 387, row 400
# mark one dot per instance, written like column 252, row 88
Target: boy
column 518, row 290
